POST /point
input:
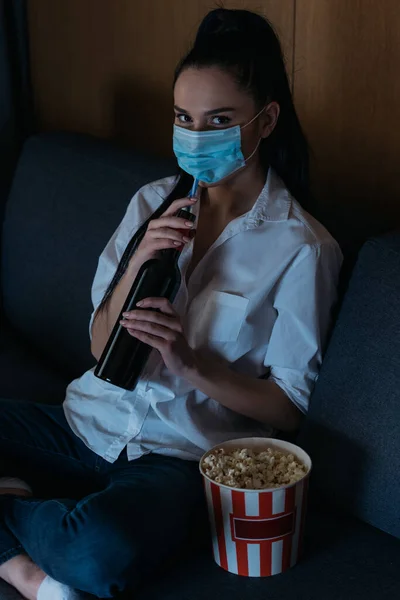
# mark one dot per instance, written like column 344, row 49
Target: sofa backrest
column 353, row 428
column 68, row 196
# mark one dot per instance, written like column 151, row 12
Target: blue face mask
column 210, row 156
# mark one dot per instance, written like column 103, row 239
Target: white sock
column 50, row 589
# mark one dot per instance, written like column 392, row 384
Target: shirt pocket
column 219, row 318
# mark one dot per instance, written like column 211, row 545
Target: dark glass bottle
column 124, row 357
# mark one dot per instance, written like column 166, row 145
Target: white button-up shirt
column 261, row 298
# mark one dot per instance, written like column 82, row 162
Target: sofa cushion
column 353, row 428
column 8, row 593
column 68, row 196
column 344, row 560
column 25, row 374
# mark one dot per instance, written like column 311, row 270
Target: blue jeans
column 101, row 528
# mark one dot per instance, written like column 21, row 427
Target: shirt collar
column 273, row 204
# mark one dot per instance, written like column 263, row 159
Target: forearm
column 106, row 318
column 259, row 399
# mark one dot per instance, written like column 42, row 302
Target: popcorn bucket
column 257, row 533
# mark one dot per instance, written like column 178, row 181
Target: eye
column 182, row 118
column 220, row 120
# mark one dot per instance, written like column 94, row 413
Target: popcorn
column 246, row 469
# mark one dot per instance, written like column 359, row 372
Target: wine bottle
column 124, row 357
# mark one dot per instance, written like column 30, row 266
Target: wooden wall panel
column 105, row 66
column 347, row 91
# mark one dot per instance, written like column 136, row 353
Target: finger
column 151, row 316
column 162, row 244
column 153, row 341
column 177, row 204
column 158, row 303
column 171, row 222
column 152, row 329
column 169, row 234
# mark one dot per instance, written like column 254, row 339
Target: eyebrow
column 216, row 111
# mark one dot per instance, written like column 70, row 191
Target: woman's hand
column 166, row 232
column 162, row 331
column 259, row 399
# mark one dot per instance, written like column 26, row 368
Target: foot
column 32, row 583
column 14, row 486
column 21, row 573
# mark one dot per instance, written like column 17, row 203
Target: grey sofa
column 68, row 195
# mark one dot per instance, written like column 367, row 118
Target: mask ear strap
column 254, row 118
column 254, row 151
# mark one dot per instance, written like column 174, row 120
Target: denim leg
column 37, row 445
column 114, row 539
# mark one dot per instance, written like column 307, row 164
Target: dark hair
column 244, row 44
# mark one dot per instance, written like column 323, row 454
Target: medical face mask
column 210, row 156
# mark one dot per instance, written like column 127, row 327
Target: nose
column 199, row 126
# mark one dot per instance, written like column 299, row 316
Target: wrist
column 194, row 368
column 201, row 368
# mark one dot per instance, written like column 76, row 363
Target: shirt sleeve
column 303, row 302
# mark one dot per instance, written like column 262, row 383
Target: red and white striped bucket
column 257, row 533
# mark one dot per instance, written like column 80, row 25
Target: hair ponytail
column 287, row 151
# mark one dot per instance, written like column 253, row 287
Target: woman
column 237, row 354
